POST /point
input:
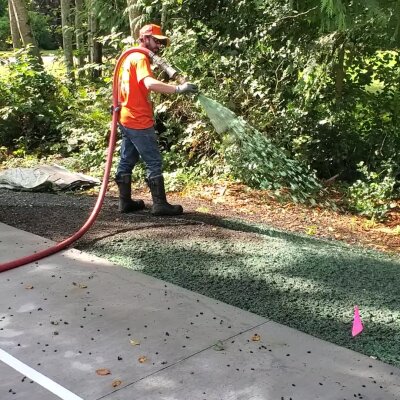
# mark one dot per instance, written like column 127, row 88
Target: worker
column 136, row 123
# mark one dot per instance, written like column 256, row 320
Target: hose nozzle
column 168, row 69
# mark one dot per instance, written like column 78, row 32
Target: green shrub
column 42, row 31
column 5, row 40
column 333, row 132
column 372, row 195
column 85, row 126
column 31, row 106
column 285, row 85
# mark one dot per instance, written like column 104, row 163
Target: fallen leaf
column 80, row 285
column 142, row 359
column 311, row 230
column 29, row 287
column 256, row 337
column 103, row 371
column 202, row 209
column 116, row 383
column 134, row 342
column 222, row 190
column 219, row 346
column 218, row 200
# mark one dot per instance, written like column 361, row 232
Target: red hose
column 111, row 146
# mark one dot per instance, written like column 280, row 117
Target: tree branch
column 293, row 16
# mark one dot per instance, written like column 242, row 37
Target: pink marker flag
column 357, row 323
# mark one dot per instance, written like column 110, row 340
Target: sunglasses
column 157, row 41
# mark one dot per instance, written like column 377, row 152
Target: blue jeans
column 139, row 143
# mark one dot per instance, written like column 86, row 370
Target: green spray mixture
column 258, row 162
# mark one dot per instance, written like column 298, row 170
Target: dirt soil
column 57, row 216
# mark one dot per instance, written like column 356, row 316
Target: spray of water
column 256, row 160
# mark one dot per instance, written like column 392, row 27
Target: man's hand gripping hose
column 187, row 87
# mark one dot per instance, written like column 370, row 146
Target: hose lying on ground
column 111, row 146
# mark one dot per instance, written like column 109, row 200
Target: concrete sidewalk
column 71, row 314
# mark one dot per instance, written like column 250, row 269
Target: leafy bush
column 4, row 33
column 334, row 131
column 31, row 105
column 85, row 127
column 284, row 79
column 372, row 195
column 42, row 31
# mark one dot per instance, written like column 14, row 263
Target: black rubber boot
column 160, row 204
column 126, row 204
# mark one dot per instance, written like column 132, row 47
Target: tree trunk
column 95, row 47
column 89, row 6
column 80, row 46
column 24, row 28
column 164, row 15
column 67, row 33
column 340, row 73
column 16, row 39
column 134, row 17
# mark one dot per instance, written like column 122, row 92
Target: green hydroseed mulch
column 307, row 284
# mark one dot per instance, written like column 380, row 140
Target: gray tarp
column 44, row 178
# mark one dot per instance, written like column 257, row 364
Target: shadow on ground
column 308, row 284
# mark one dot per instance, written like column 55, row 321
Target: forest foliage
column 318, row 80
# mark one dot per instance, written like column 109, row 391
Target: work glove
column 186, row 87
